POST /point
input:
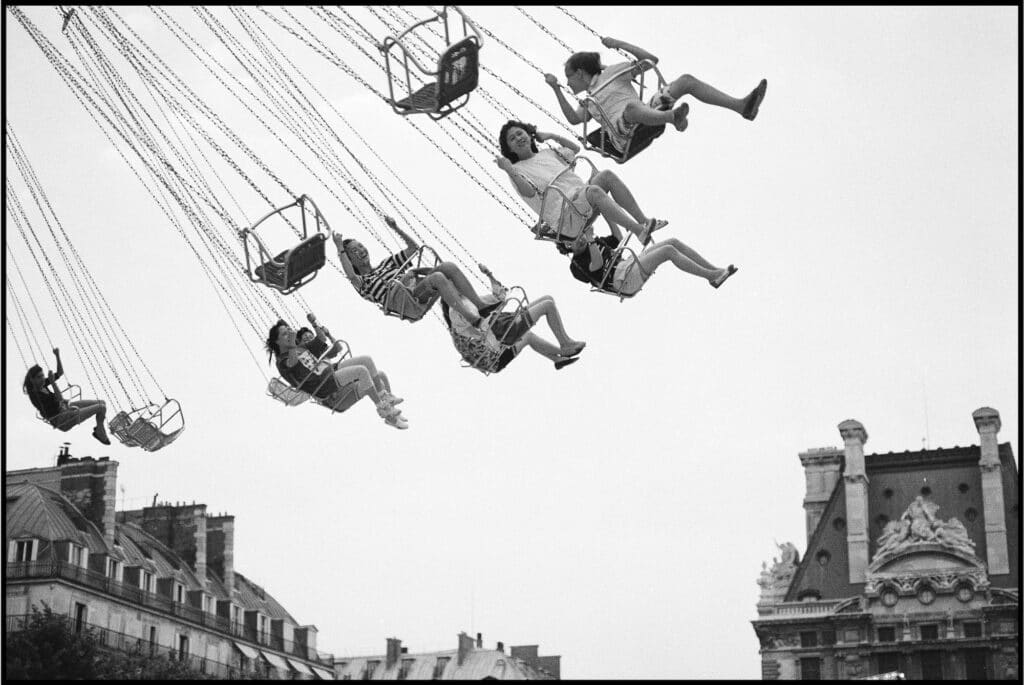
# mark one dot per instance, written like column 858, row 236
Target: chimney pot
column 501, row 647
column 479, row 640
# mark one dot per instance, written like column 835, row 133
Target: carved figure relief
column 775, row 581
column 918, row 524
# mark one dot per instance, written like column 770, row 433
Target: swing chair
column 399, row 300
column 65, row 420
column 295, row 392
column 502, row 330
column 571, row 221
column 151, row 427
column 606, row 284
column 293, row 268
column 448, row 87
column 642, row 136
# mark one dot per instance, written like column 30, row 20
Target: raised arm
column 523, row 187
column 574, row 115
column 561, row 140
column 346, row 263
column 393, row 225
column 639, row 53
column 60, row 366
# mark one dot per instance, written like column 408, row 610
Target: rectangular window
column 146, row 581
column 828, row 637
column 931, row 665
column 81, row 616
column 371, row 666
column 76, row 555
column 888, row 662
column 113, row 568
column 179, row 593
column 810, row 669
column 442, row 661
column 972, row 630
column 808, row 638
column 887, row 634
column 182, row 646
column 930, row 632
column 24, row 551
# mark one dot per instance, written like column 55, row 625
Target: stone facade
column 911, row 566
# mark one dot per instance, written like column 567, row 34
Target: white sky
column 615, row 512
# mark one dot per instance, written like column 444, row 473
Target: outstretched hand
column 503, row 163
column 551, row 80
column 56, row 351
column 609, row 42
column 390, row 222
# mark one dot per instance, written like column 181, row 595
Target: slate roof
column 34, row 511
column 478, row 664
column 251, row 596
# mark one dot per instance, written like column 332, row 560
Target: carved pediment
column 925, row 557
column 919, row 531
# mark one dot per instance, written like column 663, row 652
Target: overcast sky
column 615, row 512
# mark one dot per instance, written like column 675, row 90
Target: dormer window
column 371, row 666
column 113, row 569
column 264, row 627
column 442, row 661
column 77, row 556
column 403, row 671
column 22, row 551
column 146, row 581
column 179, row 593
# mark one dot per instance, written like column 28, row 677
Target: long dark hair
column 589, row 62
column 33, row 370
column 506, row 151
column 272, row 347
column 344, row 246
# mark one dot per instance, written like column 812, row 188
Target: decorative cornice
column 852, row 429
column 986, row 419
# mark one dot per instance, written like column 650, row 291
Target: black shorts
column 508, row 327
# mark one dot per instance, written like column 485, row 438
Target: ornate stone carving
column 775, row 581
column 919, row 524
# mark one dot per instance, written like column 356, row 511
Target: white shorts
column 563, row 220
column 629, row 277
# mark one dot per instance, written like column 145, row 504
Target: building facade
column 469, row 661
column 161, row 578
column 911, row 565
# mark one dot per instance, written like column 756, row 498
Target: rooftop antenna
column 927, row 431
column 154, row 499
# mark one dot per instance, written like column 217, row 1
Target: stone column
column 856, row 481
column 986, row 420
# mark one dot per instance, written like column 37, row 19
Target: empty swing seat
column 286, row 394
column 457, row 75
column 642, row 137
column 296, row 266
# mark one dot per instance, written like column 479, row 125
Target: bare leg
column 689, row 252
column 543, row 347
column 438, row 282
column 87, row 408
column 612, row 213
column 690, row 85
column 607, row 180
column 663, row 252
column 545, row 306
column 461, row 283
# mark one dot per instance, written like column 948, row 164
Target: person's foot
column 561, row 363
column 754, row 100
column 386, row 396
column 100, row 434
column 723, row 276
column 572, row 349
column 399, row 422
column 679, row 116
column 387, row 411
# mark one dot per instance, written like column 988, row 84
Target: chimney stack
column 465, row 646
column 64, row 456
column 501, row 647
column 986, row 420
column 822, row 468
column 856, row 481
column 393, row 652
column 220, row 548
column 479, row 640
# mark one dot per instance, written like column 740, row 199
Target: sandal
column 99, row 436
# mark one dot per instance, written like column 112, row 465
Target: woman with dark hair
column 303, row 365
column 532, row 171
column 58, row 412
column 621, row 104
column 397, row 287
column 594, row 261
column 491, row 346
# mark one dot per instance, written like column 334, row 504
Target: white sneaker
column 387, row 411
column 386, row 396
column 398, row 422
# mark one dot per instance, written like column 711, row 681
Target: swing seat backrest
column 144, row 432
column 119, row 427
column 399, row 300
column 457, row 71
column 295, row 267
column 606, row 284
column 340, row 400
column 641, row 139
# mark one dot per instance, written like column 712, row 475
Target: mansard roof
column 163, row 559
column 38, row 512
column 951, row 478
column 251, row 596
column 477, row 664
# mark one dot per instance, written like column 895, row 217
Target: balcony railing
column 122, row 642
column 801, row 609
column 34, row 570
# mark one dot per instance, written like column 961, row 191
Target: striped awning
column 275, row 661
column 248, row 651
column 299, row 666
column 324, row 674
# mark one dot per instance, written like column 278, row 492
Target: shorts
column 629, row 277
column 400, row 301
column 508, row 327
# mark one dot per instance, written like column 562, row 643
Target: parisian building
column 469, row 661
column 911, row 567
column 160, row 578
